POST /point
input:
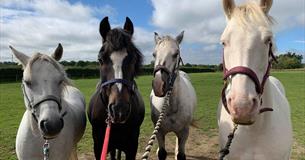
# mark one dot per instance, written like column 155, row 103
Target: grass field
column 207, row 85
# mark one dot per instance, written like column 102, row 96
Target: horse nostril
column 229, row 100
column 111, row 110
column 43, row 125
column 61, row 123
column 254, row 101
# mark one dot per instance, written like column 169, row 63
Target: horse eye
column 268, row 40
column 223, row 43
column 101, row 61
column 28, row 83
column 60, row 82
column 154, row 55
column 175, row 55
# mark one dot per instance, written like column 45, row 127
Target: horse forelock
column 165, row 39
column 46, row 58
column 117, row 39
column 252, row 13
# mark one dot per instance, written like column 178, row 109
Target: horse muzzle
column 160, row 84
column 50, row 128
column 119, row 112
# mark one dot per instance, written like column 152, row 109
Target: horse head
column 43, row 82
column 248, row 50
column 120, row 62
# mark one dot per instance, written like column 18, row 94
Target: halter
column 129, row 84
column 34, row 104
column 172, row 75
column 252, row 75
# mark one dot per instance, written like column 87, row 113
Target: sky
column 38, row 26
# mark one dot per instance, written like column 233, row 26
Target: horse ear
column 266, row 5
column 179, row 38
column 128, row 26
column 104, row 28
column 228, row 6
column 22, row 58
column 157, row 37
column 58, row 52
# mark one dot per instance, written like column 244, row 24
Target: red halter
column 251, row 74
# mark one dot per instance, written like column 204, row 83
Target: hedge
column 15, row 74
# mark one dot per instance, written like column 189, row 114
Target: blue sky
column 32, row 25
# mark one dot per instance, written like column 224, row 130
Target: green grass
column 207, row 85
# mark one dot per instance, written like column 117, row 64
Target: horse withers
column 55, row 110
column 182, row 102
column 117, row 97
column 250, row 97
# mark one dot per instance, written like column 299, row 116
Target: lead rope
column 161, row 116
column 226, row 150
column 106, row 140
column 46, row 150
column 158, row 125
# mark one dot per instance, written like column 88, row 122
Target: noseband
column 172, row 75
column 252, row 75
column 34, row 104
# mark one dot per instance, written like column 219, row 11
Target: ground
column 205, row 149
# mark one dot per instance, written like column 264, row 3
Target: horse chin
column 244, row 121
column 47, row 135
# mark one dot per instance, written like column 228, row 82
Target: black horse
column 116, row 96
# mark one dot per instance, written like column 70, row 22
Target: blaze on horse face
column 118, row 60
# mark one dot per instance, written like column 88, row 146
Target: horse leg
column 98, row 137
column 132, row 147
column 119, row 155
column 112, row 154
column 180, row 143
column 73, row 155
column 161, row 152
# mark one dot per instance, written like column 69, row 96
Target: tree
column 288, row 61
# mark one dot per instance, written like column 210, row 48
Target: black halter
column 34, row 104
column 172, row 74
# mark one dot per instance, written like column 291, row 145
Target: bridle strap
column 129, row 84
column 251, row 74
column 33, row 105
column 246, row 71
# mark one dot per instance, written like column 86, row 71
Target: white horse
column 249, row 91
column 55, row 110
column 179, row 114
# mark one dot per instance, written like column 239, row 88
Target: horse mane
column 42, row 57
column 118, row 39
column 250, row 13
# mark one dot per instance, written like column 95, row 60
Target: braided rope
column 225, row 151
column 157, row 127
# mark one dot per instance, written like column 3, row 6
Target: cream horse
column 55, row 110
column 179, row 114
column 248, row 45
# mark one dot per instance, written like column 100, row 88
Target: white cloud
column 38, row 26
column 204, row 21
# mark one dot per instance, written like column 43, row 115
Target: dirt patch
column 198, row 147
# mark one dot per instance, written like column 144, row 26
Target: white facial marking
column 117, row 60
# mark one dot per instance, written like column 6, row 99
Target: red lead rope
column 106, row 141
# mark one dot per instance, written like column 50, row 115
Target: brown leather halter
column 252, row 75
